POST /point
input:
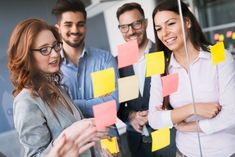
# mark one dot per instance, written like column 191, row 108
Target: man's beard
column 142, row 42
column 76, row 44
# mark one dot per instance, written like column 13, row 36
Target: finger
column 66, row 148
column 102, row 135
column 74, row 151
column 86, row 147
column 159, row 108
column 77, row 128
column 86, row 136
column 106, row 152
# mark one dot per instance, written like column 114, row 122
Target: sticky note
column 218, row 53
column 229, row 34
column 105, row 114
column 170, row 84
column 128, row 88
column 216, row 36
column 221, row 37
column 128, row 53
column 233, row 36
column 103, row 82
column 155, row 63
column 110, row 144
column 160, row 139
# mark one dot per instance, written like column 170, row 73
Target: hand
column 207, row 110
column 159, row 108
column 102, row 133
column 138, row 120
column 63, row 148
column 106, row 153
column 81, row 133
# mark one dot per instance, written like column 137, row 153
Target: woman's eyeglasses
column 45, row 51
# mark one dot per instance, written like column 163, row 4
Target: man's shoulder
column 94, row 50
column 99, row 54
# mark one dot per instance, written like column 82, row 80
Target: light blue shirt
column 78, row 78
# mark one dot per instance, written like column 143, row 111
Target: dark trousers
column 140, row 149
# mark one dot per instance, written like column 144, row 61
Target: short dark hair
column 128, row 7
column 68, row 5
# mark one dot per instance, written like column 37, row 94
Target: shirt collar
column 146, row 51
column 202, row 55
column 66, row 60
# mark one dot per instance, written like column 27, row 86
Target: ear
column 57, row 26
column 146, row 23
column 188, row 23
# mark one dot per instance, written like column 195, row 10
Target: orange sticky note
column 155, row 63
column 128, row 53
column 110, row 144
column 170, row 84
column 233, row 36
column 160, row 139
column 221, row 37
column 103, row 82
column 105, row 114
column 218, row 53
column 128, row 88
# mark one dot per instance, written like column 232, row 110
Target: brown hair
column 195, row 33
column 128, row 7
column 62, row 6
column 23, row 72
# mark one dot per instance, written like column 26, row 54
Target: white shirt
column 210, row 84
column 140, row 66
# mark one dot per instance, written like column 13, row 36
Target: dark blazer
column 142, row 102
column 139, row 104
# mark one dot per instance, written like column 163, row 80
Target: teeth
column 170, row 40
column 133, row 37
column 53, row 62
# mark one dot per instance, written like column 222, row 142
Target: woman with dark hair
column 212, row 93
column 43, row 114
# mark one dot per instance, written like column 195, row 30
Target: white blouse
column 211, row 83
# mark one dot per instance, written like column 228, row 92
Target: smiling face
column 129, row 17
column 72, row 28
column 47, row 64
column 169, row 31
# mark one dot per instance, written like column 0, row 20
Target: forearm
column 182, row 113
column 188, row 127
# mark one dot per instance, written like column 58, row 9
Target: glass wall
column 218, row 22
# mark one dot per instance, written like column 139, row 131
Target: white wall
column 114, row 35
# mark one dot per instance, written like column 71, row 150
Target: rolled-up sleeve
column 226, row 80
column 158, row 118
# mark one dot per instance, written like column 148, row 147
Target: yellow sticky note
column 155, row 63
column 218, row 53
column 103, row 82
column 160, row 139
column 221, row 37
column 233, row 36
column 111, row 145
column 128, row 88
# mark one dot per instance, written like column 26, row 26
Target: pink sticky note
column 105, row 114
column 128, row 53
column 170, row 84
